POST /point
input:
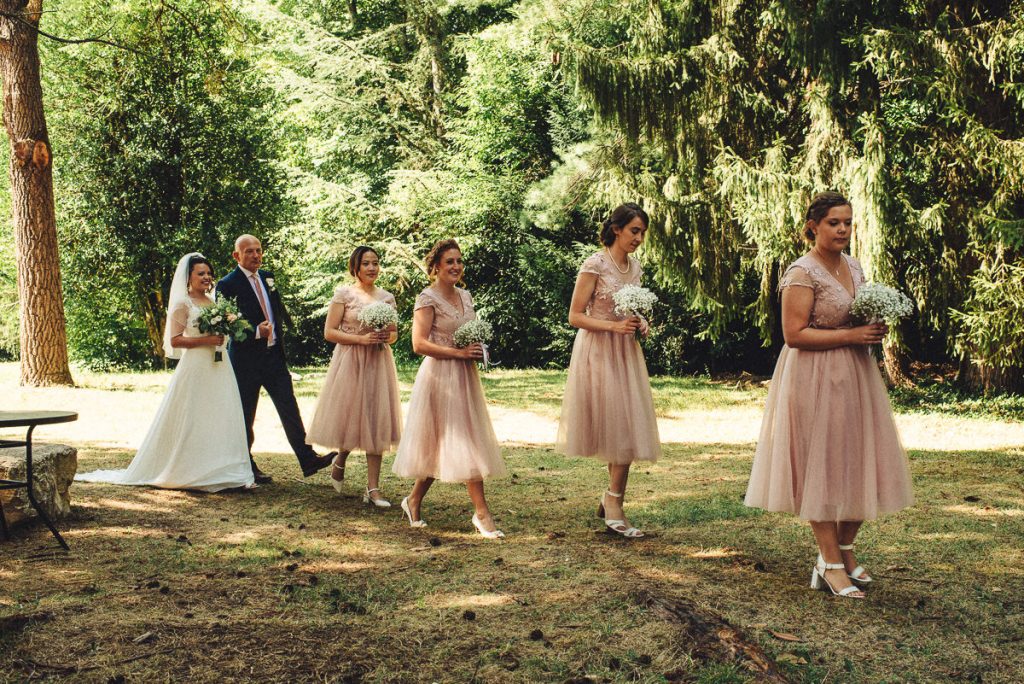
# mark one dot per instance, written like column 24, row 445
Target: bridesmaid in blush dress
column 448, row 434
column 359, row 404
column 608, row 409
column 828, row 450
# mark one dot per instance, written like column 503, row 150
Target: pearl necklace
column 614, row 263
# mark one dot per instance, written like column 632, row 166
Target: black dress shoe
column 261, row 477
column 318, row 463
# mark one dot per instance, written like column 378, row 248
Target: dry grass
column 293, row 583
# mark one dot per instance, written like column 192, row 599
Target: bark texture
column 43, row 337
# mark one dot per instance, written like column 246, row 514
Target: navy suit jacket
column 237, row 286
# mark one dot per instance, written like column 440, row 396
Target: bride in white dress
column 197, row 439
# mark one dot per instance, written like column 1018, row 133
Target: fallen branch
column 712, row 638
column 71, row 669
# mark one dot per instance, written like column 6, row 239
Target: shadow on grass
column 266, row 581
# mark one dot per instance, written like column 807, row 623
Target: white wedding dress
column 197, row 439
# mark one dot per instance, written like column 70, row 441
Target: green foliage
column 168, row 148
column 992, row 321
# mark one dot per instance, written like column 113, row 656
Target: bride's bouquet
column 378, row 316
column 633, row 300
column 223, row 318
column 877, row 303
column 475, row 331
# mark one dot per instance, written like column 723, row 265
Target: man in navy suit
column 259, row 360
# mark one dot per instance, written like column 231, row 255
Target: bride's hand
column 216, row 340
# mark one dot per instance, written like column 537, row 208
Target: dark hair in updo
column 821, row 204
column 357, row 258
column 620, row 217
column 436, row 252
column 195, row 261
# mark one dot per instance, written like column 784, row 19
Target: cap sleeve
column 592, row 264
column 423, row 300
column 390, row 299
column 796, row 275
column 177, row 318
column 341, row 296
column 858, row 272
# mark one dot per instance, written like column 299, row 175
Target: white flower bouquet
column 876, row 303
column 475, row 331
column 633, row 300
column 223, row 318
column 378, row 316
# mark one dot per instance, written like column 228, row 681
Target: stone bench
column 53, row 471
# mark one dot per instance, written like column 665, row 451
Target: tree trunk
column 353, row 15
column 897, row 366
column 44, row 350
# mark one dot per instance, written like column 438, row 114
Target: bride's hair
column 195, row 261
column 356, row 259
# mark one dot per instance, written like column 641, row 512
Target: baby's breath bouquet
column 475, row 331
column 633, row 300
column 223, row 318
column 877, row 303
column 378, row 316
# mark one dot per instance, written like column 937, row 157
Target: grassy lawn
column 292, row 582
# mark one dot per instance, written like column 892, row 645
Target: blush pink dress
column 608, row 409
column 828, row 449
column 448, row 434
column 359, row 405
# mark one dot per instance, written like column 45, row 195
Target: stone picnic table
column 30, row 420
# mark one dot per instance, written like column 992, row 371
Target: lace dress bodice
column 609, row 281
column 447, row 318
column 831, row 307
column 355, row 300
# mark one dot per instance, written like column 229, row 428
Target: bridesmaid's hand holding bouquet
column 878, row 306
column 477, row 331
column 378, row 316
column 633, row 300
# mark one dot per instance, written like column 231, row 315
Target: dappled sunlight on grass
column 279, row 573
column 985, row 511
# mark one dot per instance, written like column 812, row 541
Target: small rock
column 313, row 580
column 644, row 660
column 614, row 663
column 291, row 567
column 188, row 616
column 182, row 538
column 152, row 584
column 540, row 468
column 499, row 561
column 224, row 520
column 302, row 526
column 760, row 567
column 165, row 590
column 239, row 574
column 536, row 635
column 555, row 535
column 469, row 615
column 434, row 541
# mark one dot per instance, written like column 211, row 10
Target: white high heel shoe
column 379, row 503
column 818, row 579
column 857, row 571
column 337, row 484
column 484, row 532
column 408, row 514
column 618, row 526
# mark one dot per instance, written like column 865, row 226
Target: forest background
column 514, row 126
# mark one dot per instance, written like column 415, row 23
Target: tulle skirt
column 608, row 409
column 359, row 406
column 448, row 434
column 828, row 448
